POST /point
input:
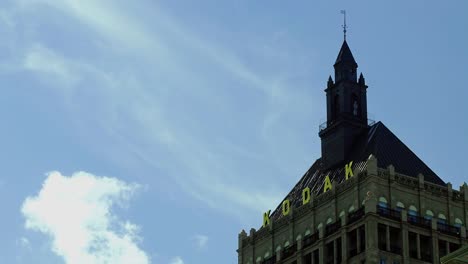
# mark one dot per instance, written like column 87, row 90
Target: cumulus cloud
column 177, row 260
column 75, row 212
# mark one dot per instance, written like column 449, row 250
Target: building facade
column 457, row 257
column 367, row 199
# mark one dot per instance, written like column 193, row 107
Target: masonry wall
column 368, row 188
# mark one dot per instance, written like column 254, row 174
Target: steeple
column 345, row 65
column 346, row 109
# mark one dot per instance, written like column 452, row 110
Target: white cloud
column 201, row 241
column 158, row 48
column 42, row 60
column 76, row 213
column 24, row 243
column 177, row 260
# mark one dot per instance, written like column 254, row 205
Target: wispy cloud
column 137, row 99
column 24, row 243
column 75, row 212
column 200, row 241
column 177, row 260
column 45, row 61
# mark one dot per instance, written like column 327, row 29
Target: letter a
column 286, row 207
column 306, row 195
column 266, row 218
column 348, row 170
column 327, row 186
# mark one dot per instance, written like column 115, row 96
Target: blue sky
column 161, row 129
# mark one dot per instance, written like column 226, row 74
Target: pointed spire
column 330, row 82
column 345, row 55
column 361, row 79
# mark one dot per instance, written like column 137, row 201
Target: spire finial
column 344, row 24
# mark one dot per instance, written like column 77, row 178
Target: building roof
column 345, row 54
column 377, row 140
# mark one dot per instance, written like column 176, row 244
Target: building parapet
column 370, row 170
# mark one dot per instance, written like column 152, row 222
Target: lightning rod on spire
column 344, row 24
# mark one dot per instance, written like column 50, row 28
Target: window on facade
column 329, row 253
column 307, row 259
column 412, row 213
column 362, row 238
column 316, row 256
column 383, row 261
column 413, row 249
column 441, row 219
column 352, row 243
column 338, row 250
column 400, row 206
column 442, row 248
column 458, row 222
column 383, row 202
column 395, row 240
column 426, row 248
column 336, row 107
column 355, row 105
column 429, row 215
column 453, row 247
column 382, row 233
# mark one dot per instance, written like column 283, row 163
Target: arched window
column 412, row 213
column 298, row 237
column 351, row 209
column 259, row 259
column 278, row 248
column 429, row 215
column 336, row 106
column 286, row 244
column 329, row 220
column 458, row 222
column 267, row 254
column 355, row 105
column 342, row 213
column 412, row 210
column 383, row 202
column 307, row 232
column 441, row 218
column 400, row 206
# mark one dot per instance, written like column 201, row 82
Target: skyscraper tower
column 367, row 199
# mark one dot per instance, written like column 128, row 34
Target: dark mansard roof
column 379, row 141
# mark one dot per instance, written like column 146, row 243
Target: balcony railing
column 309, row 239
column 270, row 260
column 353, row 252
column 326, row 124
column 420, row 221
column 289, row 251
column 389, row 213
column 332, row 228
column 426, row 256
column 448, row 229
column 356, row 215
column 395, row 249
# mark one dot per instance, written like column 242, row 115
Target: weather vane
column 344, row 24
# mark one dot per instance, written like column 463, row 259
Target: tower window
column 336, row 106
column 355, row 104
